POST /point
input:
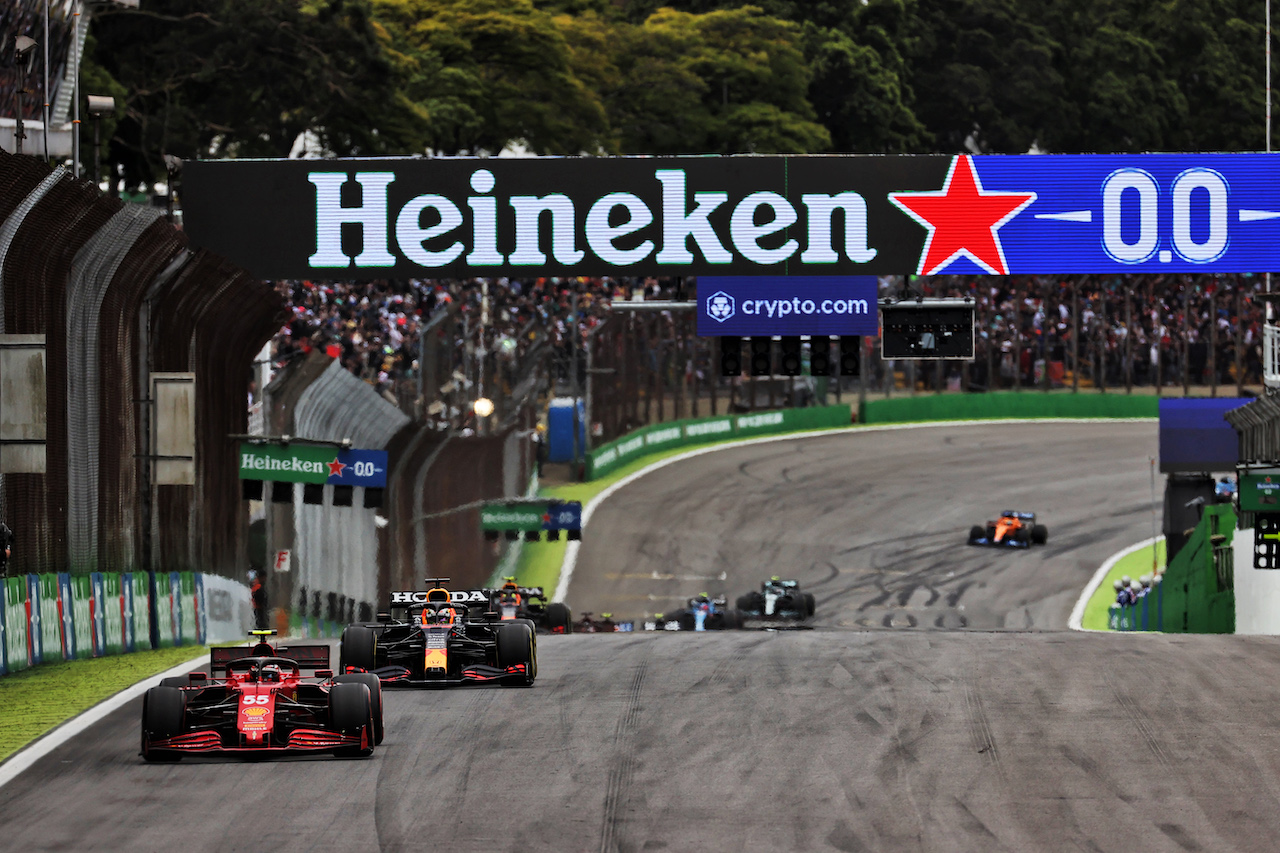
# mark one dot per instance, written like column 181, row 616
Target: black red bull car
column 440, row 638
column 1012, row 529
column 257, row 701
column 512, row 602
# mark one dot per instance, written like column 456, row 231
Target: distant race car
column 262, row 705
column 778, row 600
column 588, row 624
column 1011, row 530
column 512, row 602
column 701, row 613
column 439, row 638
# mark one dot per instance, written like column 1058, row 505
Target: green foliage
column 224, row 78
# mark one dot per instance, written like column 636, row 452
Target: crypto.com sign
column 748, row 215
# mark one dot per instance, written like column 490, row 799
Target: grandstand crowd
column 1112, row 330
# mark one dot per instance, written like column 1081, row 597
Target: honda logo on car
column 455, row 596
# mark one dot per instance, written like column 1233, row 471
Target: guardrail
column 54, row 617
column 1008, row 404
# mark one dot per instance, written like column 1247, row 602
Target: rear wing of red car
column 309, row 656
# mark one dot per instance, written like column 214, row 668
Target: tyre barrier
column 53, row 617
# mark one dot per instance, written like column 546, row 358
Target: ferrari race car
column 262, row 704
column 440, row 638
column 777, row 601
column 1010, row 530
column 701, row 613
column 512, row 602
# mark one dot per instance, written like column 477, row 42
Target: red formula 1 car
column 263, row 705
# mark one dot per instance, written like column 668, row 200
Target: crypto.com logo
column 720, row 306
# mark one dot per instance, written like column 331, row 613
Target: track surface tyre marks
column 875, row 525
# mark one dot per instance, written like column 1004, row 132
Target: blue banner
column 66, row 611
column 563, row 516
column 132, row 604
column 34, row 629
column 779, row 305
column 99, row 614
column 359, row 468
column 1093, row 214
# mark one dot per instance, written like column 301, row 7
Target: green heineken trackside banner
column 17, row 652
column 295, row 463
column 689, row 433
column 1260, row 490
column 498, row 517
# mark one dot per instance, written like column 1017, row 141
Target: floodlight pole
column 76, row 17
column 45, row 114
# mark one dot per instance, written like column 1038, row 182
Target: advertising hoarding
column 740, row 215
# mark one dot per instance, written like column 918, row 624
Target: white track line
column 48, row 742
column 571, row 552
column 1076, row 620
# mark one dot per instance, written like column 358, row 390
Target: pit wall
column 1257, row 590
column 697, row 431
column 56, row 617
column 1008, row 404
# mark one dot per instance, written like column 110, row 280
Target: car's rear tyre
column 368, row 679
column 514, row 645
column 732, row 620
column 975, row 533
column 810, row 605
column 163, row 712
column 351, row 712
column 359, row 648
column 558, row 616
column 752, row 602
column 1039, row 534
column 686, row 620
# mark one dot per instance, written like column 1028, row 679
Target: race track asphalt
column 870, row 732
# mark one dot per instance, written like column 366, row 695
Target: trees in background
column 215, row 78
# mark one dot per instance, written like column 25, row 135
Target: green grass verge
column 37, row 699
column 1134, row 565
column 540, row 562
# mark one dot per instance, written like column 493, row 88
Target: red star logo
column 962, row 219
column 335, row 467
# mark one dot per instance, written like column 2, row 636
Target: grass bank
column 1134, row 565
column 38, row 699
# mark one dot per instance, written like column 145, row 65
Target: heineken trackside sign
column 743, row 215
column 1260, row 490
column 311, row 463
column 555, row 515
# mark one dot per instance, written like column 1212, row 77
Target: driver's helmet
column 444, row 615
column 271, row 672
column 703, row 598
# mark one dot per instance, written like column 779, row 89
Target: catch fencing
column 59, row 616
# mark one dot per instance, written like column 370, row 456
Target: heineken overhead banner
column 310, row 463
column 747, row 215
